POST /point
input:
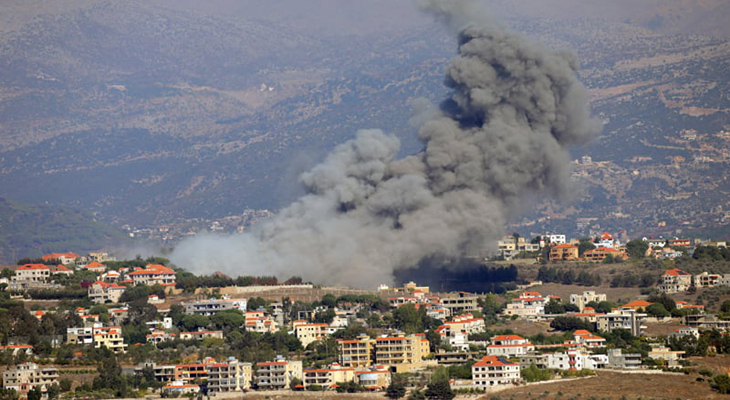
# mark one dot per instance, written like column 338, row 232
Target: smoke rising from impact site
column 498, row 139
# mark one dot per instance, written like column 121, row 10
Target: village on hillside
column 92, row 325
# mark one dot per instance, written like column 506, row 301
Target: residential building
column 675, row 280
column 465, row 324
column 189, row 373
column 707, row 322
column 261, row 322
column 32, row 273
column 163, row 373
column 627, row 319
column 528, row 305
column 606, row 240
column 686, row 331
column 110, row 276
column 64, row 258
column 554, row 239
column 153, row 274
column 101, row 256
column 80, row 336
column 588, row 315
column 328, row 377
column 95, row 266
column 61, row 270
column 374, row 379
column 200, row 335
column 668, row 356
column 617, row 359
column 564, row 252
column 637, row 304
column 401, row 353
column 229, row 376
column 510, row 246
column 16, row 349
column 309, row 333
column 212, row 306
column 509, row 346
column 277, row 374
column 724, row 280
column 460, row 303
column 110, row 337
column 588, row 296
column 587, row 339
column 574, row 360
column 27, row 376
column 493, row 371
column 600, row 253
column 158, row 336
column 358, row 353
column 676, row 242
column 179, row 388
column 706, row 280
column 101, row 292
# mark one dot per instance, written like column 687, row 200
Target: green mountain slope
column 33, row 230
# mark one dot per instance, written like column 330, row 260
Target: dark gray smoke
column 499, row 138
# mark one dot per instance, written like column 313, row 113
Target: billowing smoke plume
column 499, row 138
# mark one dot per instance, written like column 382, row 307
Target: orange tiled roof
column 493, row 361
column 28, row 267
column 638, row 303
column 676, row 272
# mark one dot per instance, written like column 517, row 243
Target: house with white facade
column 492, row 371
column 509, row 346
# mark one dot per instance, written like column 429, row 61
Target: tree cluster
column 567, row 276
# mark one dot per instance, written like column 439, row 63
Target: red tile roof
column 28, row 267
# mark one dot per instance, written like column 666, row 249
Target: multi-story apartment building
column 564, row 252
column 308, row 333
column 110, row 337
column 356, row 353
column 460, row 303
column 588, row 296
column 26, row 376
column 492, row 371
column 675, row 280
column 229, row 376
column 261, row 322
column 627, row 319
column 277, row 374
column 327, row 378
column 401, row 353
column 509, row 346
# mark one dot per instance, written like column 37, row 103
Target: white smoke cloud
column 498, row 139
